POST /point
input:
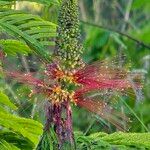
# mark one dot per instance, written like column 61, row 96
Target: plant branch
column 119, row 32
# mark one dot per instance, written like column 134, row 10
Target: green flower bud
column 68, row 46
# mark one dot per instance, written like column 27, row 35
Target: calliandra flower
column 102, row 75
column 99, row 81
column 104, row 80
column 52, row 91
column 95, row 86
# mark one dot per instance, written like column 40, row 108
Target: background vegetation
column 108, row 28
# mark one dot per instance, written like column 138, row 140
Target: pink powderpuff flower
column 99, row 83
column 39, row 86
column 102, row 76
column 96, row 85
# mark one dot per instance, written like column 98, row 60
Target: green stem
column 119, row 32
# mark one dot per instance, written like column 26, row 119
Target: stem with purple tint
column 68, row 122
column 62, row 126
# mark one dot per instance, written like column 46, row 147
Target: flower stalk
column 68, row 50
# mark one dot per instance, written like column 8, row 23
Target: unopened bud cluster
column 68, row 46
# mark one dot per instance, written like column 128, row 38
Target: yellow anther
column 57, row 89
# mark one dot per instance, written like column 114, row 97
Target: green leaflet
column 16, row 139
column 4, row 100
column 16, row 132
column 118, row 140
column 13, row 47
column 32, row 43
column 7, row 146
column 25, row 27
column 129, row 139
column 45, row 2
column 48, row 141
column 28, row 128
